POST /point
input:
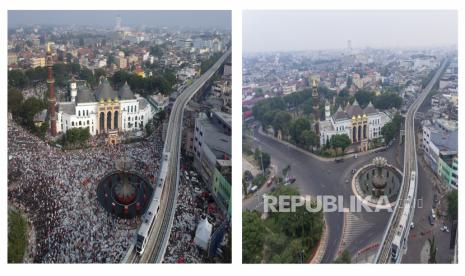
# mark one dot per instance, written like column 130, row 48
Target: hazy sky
column 311, row 30
column 216, row 19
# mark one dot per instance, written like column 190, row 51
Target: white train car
column 403, row 228
column 151, row 214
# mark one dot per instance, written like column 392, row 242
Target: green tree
column 17, row 237
column 364, row 97
column 452, row 205
column 281, row 122
column 29, row 109
column 17, row 79
column 252, row 237
column 309, row 139
column 156, row 51
column 340, row 141
column 349, row 81
column 388, row 131
column 76, row 137
column 302, row 230
column 15, row 100
column 110, row 60
column 344, row 258
column 297, row 127
column 262, row 158
column 387, row 100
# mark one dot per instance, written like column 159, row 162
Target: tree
column 69, row 57
column 252, row 237
column 388, row 131
column 309, row 139
column 17, row 79
column 344, row 258
column 452, row 205
column 281, row 122
column 29, row 109
column 76, row 137
column 349, row 81
column 300, row 231
column 15, row 100
column 156, row 51
column 387, row 100
column 340, row 141
column 297, row 127
column 364, row 97
column 110, row 60
column 262, row 158
column 206, row 64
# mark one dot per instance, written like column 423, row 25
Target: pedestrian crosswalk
column 354, row 227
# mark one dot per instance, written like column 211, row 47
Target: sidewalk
column 322, row 244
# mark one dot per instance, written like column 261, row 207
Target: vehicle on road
column 338, row 160
column 412, row 225
column 355, row 156
column 152, row 211
column 436, row 198
column 253, row 189
column 433, row 214
column 431, row 220
column 270, row 181
column 353, row 171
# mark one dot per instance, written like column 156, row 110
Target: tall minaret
column 51, row 93
column 315, row 104
column 327, row 111
column 73, row 88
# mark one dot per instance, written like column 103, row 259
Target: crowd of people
column 57, row 191
column 194, row 203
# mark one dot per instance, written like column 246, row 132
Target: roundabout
column 124, row 192
column 377, row 184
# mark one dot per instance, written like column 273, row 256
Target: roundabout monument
column 124, row 192
column 377, row 184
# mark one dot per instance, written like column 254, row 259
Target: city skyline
column 387, row 29
column 133, row 18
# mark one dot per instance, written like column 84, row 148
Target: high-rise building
column 118, row 23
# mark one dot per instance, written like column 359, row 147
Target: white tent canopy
column 202, row 234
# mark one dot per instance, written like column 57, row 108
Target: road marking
column 354, row 226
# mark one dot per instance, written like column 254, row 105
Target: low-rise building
column 440, row 146
column 37, row 62
column 212, row 150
